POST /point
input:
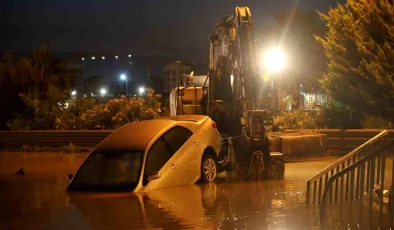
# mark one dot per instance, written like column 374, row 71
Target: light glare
column 274, row 60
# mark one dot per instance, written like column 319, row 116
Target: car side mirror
column 70, row 176
column 153, row 176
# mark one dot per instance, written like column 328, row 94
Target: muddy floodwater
column 38, row 200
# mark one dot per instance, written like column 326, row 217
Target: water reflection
column 251, row 205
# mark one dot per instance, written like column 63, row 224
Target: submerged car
column 153, row 154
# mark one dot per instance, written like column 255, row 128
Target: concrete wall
column 304, row 146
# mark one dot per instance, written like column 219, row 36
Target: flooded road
column 38, row 200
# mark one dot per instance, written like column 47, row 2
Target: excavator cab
column 256, row 129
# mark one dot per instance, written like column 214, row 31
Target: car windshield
column 108, row 171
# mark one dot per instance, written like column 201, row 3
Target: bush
column 70, row 118
column 84, row 113
column 320, row 117
column 118, row 112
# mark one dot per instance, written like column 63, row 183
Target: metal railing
column 365, row 175
column 318, row 183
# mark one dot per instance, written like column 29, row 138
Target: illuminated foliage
column 118, row 112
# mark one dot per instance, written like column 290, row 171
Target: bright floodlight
column 103, row 57
column 83, row 59
column 73, row 93
column 116, row 57
column 129, row 55
column 274, row 60
column 93, row 58
column 103, row 91
column 123, row 77
column 141, row 90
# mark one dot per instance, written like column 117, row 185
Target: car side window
column 176, row 137
column 158, row 155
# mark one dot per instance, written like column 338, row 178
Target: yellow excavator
column 233, row 94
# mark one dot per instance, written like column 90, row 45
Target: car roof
column 192, row 118
column 133, row 136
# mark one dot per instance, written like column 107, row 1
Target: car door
column 186, row 149
column 159, row 159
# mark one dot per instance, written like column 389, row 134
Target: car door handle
column 195, row 143
column 173, row 166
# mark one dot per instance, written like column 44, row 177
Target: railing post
column 382, row 182
column 371, row 186
column 351, row 184
column 308, row 189
column 358, row 182
column 314, row 192
column 362, row 184
column 320, row 187
column 336, row 187
column 378, row 170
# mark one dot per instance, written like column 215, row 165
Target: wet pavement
column 38, row 200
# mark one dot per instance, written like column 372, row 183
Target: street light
column 103, row 92
column 129, row 55
column 83, row 59
column 103, row 57
column 274, row 60
column 116, row 57
column 73, row 93
column 141, row 90
column 123, row 77
column 93, row 58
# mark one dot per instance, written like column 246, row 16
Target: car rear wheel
column 208, row 168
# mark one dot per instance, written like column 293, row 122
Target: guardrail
column 365, row 174
column 344, row 140
column 88, row 138
column 317, row 181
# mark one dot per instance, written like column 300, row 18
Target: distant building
column 171, row 73
column 308, row 99
column 74, row 73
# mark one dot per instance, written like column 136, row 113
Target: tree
column 359, row 48
column 293, row 33
column 32, row 89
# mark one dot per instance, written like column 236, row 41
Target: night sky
column 172, row 28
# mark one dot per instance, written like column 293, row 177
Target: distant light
column 123, row 77
column 103, row 91
column 129, row 55
column 116, row 57
column 93, row 58
column 103, row 57
column 83, row 59
column 74, row 92
column 141, row 90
